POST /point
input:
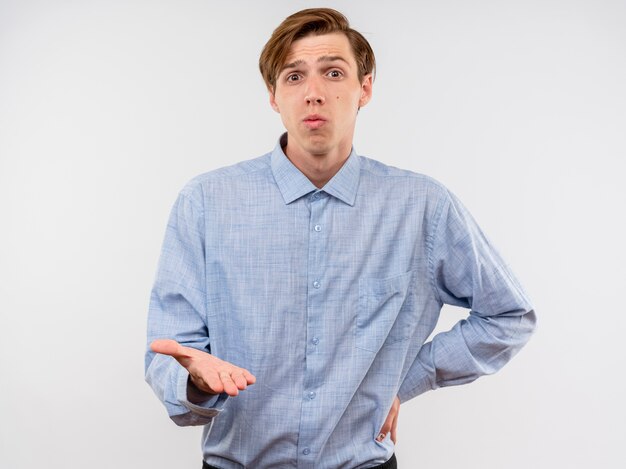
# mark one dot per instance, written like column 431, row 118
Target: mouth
column 314, row 121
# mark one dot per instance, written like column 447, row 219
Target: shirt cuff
column 417, row 382
column 209, row 408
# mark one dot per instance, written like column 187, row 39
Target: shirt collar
column 293, row 184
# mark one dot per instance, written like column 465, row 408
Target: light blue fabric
column 327, row 296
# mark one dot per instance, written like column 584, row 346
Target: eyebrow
column 324, row 58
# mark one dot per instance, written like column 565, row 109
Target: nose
column 314, row 93
column 314, row 98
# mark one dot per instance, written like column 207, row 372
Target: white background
column 108, row 107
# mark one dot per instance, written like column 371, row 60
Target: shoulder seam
column 227, row 172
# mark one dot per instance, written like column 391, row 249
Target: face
column 318, row 94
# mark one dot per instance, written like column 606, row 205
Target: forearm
column 474, row 347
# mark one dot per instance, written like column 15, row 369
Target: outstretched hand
column 207, row 372
column 391, row 422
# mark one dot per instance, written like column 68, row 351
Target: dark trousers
column 391, row 464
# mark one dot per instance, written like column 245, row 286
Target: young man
column 311, row 277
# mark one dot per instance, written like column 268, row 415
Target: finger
column 229, row 386
column 239, row 380
column 250, row 378
column 385, row 428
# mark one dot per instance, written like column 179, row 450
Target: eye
column 335, row 74
column 293, row 77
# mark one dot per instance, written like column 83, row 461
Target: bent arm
column 466, row 270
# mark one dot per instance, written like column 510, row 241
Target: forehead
column 310, row 48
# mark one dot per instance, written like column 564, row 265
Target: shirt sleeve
column 177, row 311
column 467, row 271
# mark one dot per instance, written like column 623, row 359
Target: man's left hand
column 391, row 423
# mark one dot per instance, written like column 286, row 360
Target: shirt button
column 315, row 196
column 316, row 284
column 315, row 341
column 318, row 228
column 312, row 395
column 306, row 451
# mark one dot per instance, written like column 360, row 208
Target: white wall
column 108, row 107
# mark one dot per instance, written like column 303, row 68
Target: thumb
column 168, row 347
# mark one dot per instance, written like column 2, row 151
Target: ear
column 366, row 90
column 273, row 101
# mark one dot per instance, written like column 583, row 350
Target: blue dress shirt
column 327, row 296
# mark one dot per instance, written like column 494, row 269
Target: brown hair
column 312, row 21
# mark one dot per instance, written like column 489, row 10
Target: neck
column 318, row 168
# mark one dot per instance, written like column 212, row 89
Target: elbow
column 524, row 329
column 528, row 323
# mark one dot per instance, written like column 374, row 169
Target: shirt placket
column 316, row 294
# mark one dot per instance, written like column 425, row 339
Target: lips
column 314, row 121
